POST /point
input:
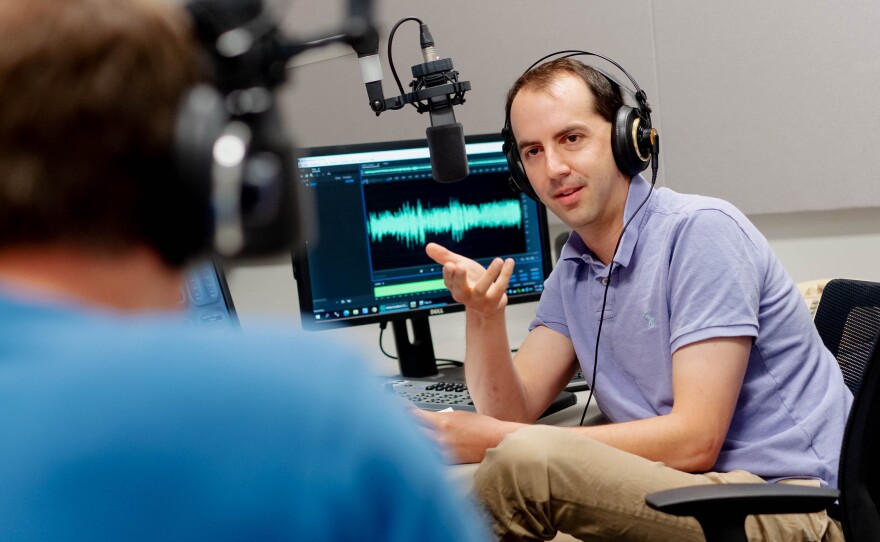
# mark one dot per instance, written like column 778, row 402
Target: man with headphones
column 700, row 351
column 118, row 422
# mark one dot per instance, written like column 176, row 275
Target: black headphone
column 230, row 183
column 634, row 142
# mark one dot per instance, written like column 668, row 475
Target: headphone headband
column 567, row 53
column 638, row 95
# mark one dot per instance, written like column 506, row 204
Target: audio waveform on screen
column 411, row 224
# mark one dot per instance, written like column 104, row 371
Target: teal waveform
column 411, row 224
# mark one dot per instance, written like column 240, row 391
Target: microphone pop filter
column 448, row 155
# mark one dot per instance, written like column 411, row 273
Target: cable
column 441, row 362
column 382, row 326
column 608, row 283
column 391, row 59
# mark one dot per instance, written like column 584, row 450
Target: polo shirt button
column 604, row 281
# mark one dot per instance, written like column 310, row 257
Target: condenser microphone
column 436, row 89
column 445, row 136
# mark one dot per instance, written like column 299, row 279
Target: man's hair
column 89, row 91
column 607, row 98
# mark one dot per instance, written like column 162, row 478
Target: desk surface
column 572, row 415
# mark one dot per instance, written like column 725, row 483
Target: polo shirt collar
column 575, row 248
column 638, row 191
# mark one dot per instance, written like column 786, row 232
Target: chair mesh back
column 848, row 320
column 859, row 475
column 558, row 243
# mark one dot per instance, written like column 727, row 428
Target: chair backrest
column 859, row 471
column 558, row 243
column 848, row 320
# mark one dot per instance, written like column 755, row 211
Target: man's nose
column 556, row 164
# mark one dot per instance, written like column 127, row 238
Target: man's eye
column 572, row 138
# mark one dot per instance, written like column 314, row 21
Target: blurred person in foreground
column 118, row 423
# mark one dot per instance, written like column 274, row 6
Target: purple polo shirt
column 691, row 268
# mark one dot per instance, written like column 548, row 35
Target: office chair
column 848, row 320
column 558, row 243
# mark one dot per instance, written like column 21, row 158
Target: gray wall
column 766, row 104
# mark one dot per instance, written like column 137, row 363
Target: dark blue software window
column 378, row 207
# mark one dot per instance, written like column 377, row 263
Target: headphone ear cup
column 519, row 181
column 175, row 213
column 183, row 213
column 624, row 144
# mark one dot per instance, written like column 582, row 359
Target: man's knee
column 522, row 458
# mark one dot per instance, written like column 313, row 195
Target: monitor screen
column 376, row 209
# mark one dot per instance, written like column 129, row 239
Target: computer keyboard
column 440, row 395
column 578, row 382
column 433, row 395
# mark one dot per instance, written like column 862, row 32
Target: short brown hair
column 87, row 88
column 607, row 97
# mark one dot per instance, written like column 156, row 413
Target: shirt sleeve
column 551, row 311
column 715, row 278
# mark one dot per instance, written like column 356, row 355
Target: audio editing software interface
column 376, row 211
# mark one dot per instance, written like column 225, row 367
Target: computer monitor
column 376, row 209
column 206, row 297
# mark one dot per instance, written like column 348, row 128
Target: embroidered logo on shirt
column 650, row 319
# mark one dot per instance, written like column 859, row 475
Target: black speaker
column 634, row 141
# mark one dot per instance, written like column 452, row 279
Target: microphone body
column 445, row 136
column 446, row 147
column 448, row 155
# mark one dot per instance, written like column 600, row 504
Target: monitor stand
column 416, row 357
column 417, row 360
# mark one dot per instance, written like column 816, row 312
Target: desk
column 462, row 475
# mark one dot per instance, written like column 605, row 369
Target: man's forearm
column 670, row 439
column 492, row 380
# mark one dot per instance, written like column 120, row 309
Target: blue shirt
column 131, row 428
column 691, row 268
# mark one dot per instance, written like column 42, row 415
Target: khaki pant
column 544, row 479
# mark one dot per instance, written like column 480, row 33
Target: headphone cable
column 608, row 283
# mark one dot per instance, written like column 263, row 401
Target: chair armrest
column 742, row 499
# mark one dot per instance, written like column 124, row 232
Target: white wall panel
column 770, row 104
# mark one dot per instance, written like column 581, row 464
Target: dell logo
column 436, row 311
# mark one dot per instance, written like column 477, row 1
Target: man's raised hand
column 482, row 290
